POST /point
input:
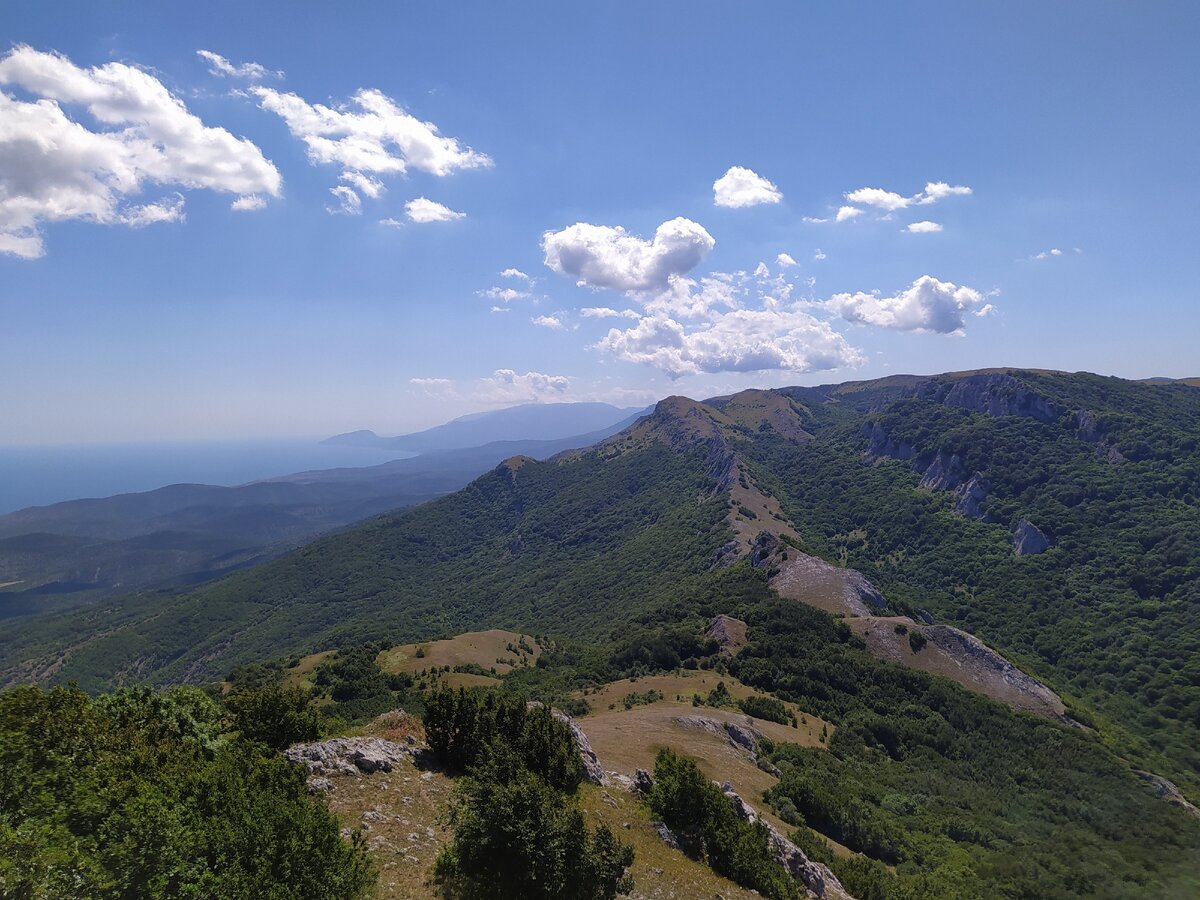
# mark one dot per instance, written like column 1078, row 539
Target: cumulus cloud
column 1052, row 252
column 223, row 68
column 845, row 213
column 54, row 166
column 509, row 386
column 890, row 201
column 514, row 273
column 364, row 184
column 423, row 210
column 431, row 382
column 607, row 312
column 923, row 227
column 369, row 134
column 740, row 187
column 507, row 295
column 740, row 341
column 349, row 203
column 248, row 203
column 785, row 260
column 599, row 256
column 554, row 323
column 928, row 305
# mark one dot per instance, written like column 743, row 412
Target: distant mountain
column 79, row 551
column 530, row 421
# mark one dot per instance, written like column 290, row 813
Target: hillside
column 1022, row 537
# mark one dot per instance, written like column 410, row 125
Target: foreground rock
column 344, row 756
column 592, row 770
column 816, row 877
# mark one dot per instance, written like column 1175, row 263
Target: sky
column 268, row 220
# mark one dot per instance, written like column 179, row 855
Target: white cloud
column 514, row 273
column 986, row 310
column 741, row 187
column 740, row 341
column 554, row 323
column 370, row 134
column 939, row 190
column 890, row 201
column 878, row 198
column 431, row 382
column 507, row 295
column 349, row 203
column 509, row 386
column 846, row 213
column 167, row 210
column 55, row 168
column 364, row 184
column 607, row 312
column 222, row 68
column 819, row 254
column 923, row 227
column 813, row 220
column 423, row 210
column 248, row 203
column 1052, row 252
column 785, row 260
column 501, row 309
column 928, row 305
column 600, row 256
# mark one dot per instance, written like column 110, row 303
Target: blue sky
column 136, row 303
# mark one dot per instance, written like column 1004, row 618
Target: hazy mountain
column 530, row 421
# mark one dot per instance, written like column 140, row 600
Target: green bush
column 275, row 715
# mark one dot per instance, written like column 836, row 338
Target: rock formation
column 1028, row 539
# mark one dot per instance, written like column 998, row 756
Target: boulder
column 592, row 770
column 817, row 878
column 1028, row 539
column 971, row 496
column 345, row 756
column 642, row 782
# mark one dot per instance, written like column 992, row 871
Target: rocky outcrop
column 817, row 878
column 993, row 394
column 944, row 472
column 971, row 496
column 825, row 586
column 740, row 736
column 882, row 445
column 728, row 632
column 1028, row 539
column 592, row 770
column 643, row 783
column 1166, row 790
column 345, row 756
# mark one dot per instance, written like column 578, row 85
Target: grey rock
column 667, row 835
column 882, row 446
column 1028, row 539
column 592, row 770
column 817, row 878
column 346, row 756
column 944, row 473
column 642, row 782
column 971, row 496
column 319, row 785
column 993, row 394
column 1168, row 791
column 742, row 736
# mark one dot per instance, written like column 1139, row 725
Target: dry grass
column 400, row 813
column 658, row 871
column 482, row 648
column 300, row 675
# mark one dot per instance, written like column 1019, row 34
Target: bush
column 768, row 708
column 274, row 715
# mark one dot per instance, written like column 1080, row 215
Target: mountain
column 530, row 421
column 82, row 551
column 988, row 583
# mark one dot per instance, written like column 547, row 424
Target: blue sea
column 36, row 476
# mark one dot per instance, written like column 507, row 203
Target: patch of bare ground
column 401, row 814
column 495, row 649
column 961, row 657
column 658, row 871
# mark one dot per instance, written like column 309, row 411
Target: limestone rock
column 971, row 496
column 944, row 473
column 1028, row 539
column 346, row 756
column 642, row 782
column 817, row 878
column 592, row 770
column 728, row 632
column 1166, row 790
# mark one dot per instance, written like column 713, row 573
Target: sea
column 38, row 476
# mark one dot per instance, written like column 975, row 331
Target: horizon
column 209, row 233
